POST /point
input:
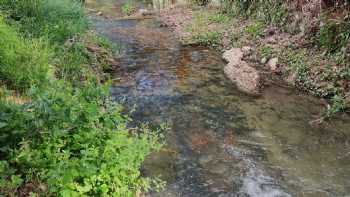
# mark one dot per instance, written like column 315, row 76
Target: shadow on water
column 222, row 142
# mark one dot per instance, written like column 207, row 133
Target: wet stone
column 204, row 159
column 218, row 168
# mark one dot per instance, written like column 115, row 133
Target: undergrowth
column 56, row 20
column 23, row 62
column 66, row 138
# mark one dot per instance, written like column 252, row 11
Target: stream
column 221, row 142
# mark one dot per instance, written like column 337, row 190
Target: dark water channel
column 222, row 142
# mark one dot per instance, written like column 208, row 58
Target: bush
column 201, row 2
column 65, row 139
column 74, row 141
column 334, row 35
column 211, row 38
column 268, row 11
column 23, row 62
column 128, row 8
column 58, row 20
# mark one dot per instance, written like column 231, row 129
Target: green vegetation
column 127, row 8
column 266, row 51
column 334, row 36
column 219, row 18
column 201, row 2
column 255, row 30
column 267, row 11
column 23, row 62
column 202, row 32
column 61, row 135
column 57, row 20
column 207, row 38
column 255, row 23
column 327, row 83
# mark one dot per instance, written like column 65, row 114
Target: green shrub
column 74, row 141
column 66, row 139
column 127, row 8
column 58, row 20
column 72, row 62
column 219, row 18
column 207, row 38
column 201, row 2
column 333, row 36
column 23, row 62
column 268, row 11
column 266, row 51
column 255, row 30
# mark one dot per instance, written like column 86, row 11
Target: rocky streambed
column 222, row 142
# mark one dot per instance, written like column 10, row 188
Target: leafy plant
column 57, row 20
column 255, row 30
column 68, row 138
column 333, row 36
column 266, row 51
column 219, row 18
column 267, row 11
column 337, row 104
column 76, row 142
column 127, row 8
column 207, row 38
column 201, row 2
column 23, row 62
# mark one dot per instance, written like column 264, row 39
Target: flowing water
column 221, row 142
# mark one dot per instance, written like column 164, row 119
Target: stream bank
column 290, row 54
column 221, row 141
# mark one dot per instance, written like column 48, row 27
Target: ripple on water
column 222, row 142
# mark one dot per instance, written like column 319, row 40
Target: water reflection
column 222, row 142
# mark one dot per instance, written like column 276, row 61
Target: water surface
column 222, row 142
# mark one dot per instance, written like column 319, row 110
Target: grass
column 255, row 30
column 56, row 20
column 66, row 138
column 266, row 51
column 128, row 8
column 207, row 38
column 24, row 63
column 219, row 18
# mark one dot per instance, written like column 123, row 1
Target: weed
column 337, row 104
column 234, row 39
column 57, row 20
column 68, row 138
column 127, row 8
column 267, row 11
column 219, row 18
column 333, row 36
column 23, row 63
column 207, row 38
column 105, row 43
column 255, row 30
column 266, row 51
column 201, row 2
column 74, row 140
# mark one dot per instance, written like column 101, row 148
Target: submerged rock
column 245, row 76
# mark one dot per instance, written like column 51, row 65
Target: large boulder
column 233, row 55
column 246, row 77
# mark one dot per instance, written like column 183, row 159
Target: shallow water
column 222, row 142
